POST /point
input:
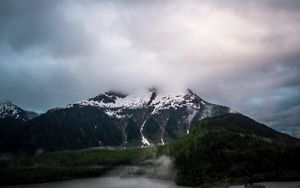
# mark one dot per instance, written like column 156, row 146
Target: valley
column 179, row 138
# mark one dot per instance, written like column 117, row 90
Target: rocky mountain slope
column 9, row 110
column 12, row 118
column 114, row 119
column 117, row 119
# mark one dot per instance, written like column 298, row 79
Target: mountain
column 12, row 118
column 9, row 110
column 117, row 119
column 234, row 148
column 208, row 142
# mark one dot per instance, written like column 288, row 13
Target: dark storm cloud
column 41, row 24
column 244, row 54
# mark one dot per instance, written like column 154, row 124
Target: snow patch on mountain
column 132, row 102
column 145, row 142
column 114, row 114
column 192, row 112
column 164, row 102
column 7, row 109
column 114, row 105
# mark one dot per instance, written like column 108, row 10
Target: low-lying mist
column 160, row 168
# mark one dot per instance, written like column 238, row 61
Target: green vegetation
column 227, row 149
column 66, row 165
column 225, row 153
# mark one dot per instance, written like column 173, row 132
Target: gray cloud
column 241, row 54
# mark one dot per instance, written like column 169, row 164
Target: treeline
column 66, row 165
column 225, row 153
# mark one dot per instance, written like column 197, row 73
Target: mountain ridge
column 12, row 119
column 116, row 119
column 234, row 148
column 10, row 110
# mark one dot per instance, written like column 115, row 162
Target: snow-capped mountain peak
column 10, row 110
column 118, row 119
column 165, row 112
column 115, row 102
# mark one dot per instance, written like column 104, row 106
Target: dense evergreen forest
column 227, row 149
column 224, row 149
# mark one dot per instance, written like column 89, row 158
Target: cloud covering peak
column 241, row 54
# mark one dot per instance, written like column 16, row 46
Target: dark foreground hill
column 234, row 148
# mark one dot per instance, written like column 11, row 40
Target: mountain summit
column 117, row 119
column 10, row 110
column 167, row 116
column 12, row 119
column 121, row 106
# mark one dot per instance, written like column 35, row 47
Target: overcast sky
column 245, row 55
